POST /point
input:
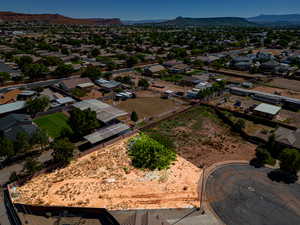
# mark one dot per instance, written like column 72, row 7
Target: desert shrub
column 147, row 153
column 264, row 157
column 290, row 160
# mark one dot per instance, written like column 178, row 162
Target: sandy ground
column 169, row 86
column 148, row 106
column 105, row 178
column 283, row 92
column 93, row 94
column 211, row 144
column 286, row 83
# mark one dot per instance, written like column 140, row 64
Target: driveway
column 244, row 195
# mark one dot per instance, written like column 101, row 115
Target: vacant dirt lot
column 286, row 83
column 283, row 92
column 149, row 106
column 203, row 139
column 106, row 179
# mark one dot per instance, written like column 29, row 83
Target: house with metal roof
column 105, row 112
column 266, row 110
column 108, row 84
column 108, row 115
column 106, row 132
column 65, row 101
column 267, row 97
column 12, row 107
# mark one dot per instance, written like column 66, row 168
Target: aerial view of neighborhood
column 150, row 112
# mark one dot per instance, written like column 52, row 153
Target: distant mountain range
column 54, row 19
column 217, row 21
column 288, row 19
column 267, row 20
column 133, row 22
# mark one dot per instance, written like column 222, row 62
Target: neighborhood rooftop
column 106, row 132
column 247, row 92
column 11, row 107
column 267, row 108
column 105, row 112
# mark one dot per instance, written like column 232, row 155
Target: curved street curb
column 207, row 172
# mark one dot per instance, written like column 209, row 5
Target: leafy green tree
column 131, row 61
column 78, row 92
column 37, row 105
column 240, row 124
column 31, row 166
column 51, row 61
column 64, row 70
column 23, row 61
column 4, row 76
column 6, row 147
column 95, row 52
column 65, row 51
column 143, row 83
column 146, row 153
column 198, row 63
column 82, row 122
column 92, row 72
column 13, row 177
column 264, row 157
column 35, row 70
column 40, row 137
column 134, row 116
column 22, row 143
column 290, row 160
column 63, row 150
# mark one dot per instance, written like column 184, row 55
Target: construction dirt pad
column 106, row 179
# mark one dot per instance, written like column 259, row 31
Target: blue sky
column 152, row 9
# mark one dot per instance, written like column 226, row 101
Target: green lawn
column 53, row 124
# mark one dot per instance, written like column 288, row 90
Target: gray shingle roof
column 13, row 124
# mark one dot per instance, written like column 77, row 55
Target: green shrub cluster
column 147, row 153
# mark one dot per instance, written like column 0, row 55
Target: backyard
column 53, row 124
column 149, row 106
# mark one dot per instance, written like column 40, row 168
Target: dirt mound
column 107, row 179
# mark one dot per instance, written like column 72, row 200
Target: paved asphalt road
column 244, row 195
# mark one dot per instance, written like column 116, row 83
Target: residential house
column 108, row 115
column 13, row 124
column 179, row 68
column 287, row 137
column 108, row 85
column 269, row 67
column 72, row 83
column 241, row 63
column 266, row 110
column 171, row 63
column 154, row 70
column 14, row 73
column 17, row 106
